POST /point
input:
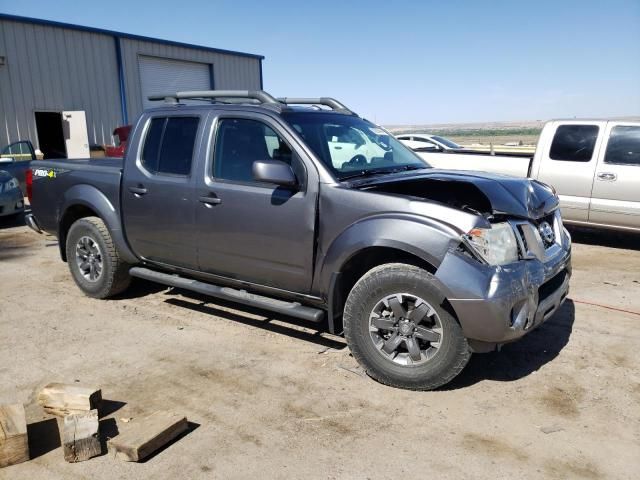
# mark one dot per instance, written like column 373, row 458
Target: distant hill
column 485, row 133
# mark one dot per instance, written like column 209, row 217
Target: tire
column 442, row 350
column 90, row 235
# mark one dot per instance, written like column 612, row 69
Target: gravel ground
column 269, row 398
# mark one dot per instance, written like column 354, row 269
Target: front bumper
column 499, row 304
column 11, row 202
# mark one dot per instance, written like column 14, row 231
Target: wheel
column 93, row 259
column 397, row 329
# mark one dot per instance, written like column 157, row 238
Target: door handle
column 209, row 200
column 338, row 148
column 611, row 177
column 139, row 190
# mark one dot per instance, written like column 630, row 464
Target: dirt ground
column 269, row 398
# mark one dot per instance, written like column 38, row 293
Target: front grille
column 550, row 286
column 546, row 228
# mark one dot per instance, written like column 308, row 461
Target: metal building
column 59, row 80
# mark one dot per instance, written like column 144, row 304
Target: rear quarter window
column 574, row 143
column 169, row 144
column 624, row 146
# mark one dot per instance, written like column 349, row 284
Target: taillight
column 28, row 176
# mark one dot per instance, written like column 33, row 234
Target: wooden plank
column 63, row 399
column 80, row 439
column 14, row 444
column 145, row 435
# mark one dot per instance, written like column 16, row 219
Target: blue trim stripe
column 121, row 82
column 71, row 26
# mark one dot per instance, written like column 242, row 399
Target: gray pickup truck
column 241, row 198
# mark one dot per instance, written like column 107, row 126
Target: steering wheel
column 357, row 161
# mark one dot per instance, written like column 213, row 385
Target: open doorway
column 50, row 134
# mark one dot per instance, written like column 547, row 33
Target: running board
column 293, row 309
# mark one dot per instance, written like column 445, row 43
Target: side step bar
column 293, row 309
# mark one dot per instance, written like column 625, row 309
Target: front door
column 616, row 195
column 158, row 197
column 251, row 231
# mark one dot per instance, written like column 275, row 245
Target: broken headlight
column 496, row 245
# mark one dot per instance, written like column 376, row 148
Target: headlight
column 11, row 184
column 496, row 245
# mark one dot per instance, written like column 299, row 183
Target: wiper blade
column 381, row 171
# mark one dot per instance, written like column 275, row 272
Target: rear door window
column 574, row 143
column 624, row 146
column 169, row 145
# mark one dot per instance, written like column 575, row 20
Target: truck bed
column 54, row 179
column 515, row 165
column 107, row 164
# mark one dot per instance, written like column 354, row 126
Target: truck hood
column 484, row 193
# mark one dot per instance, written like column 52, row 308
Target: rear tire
column 93, row 259
column 397, row 329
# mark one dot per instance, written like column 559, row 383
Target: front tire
column 93, row 259
column 397, row 329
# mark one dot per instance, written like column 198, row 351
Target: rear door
column 568, row 163
column 616, row 186
column 253, row 231
column 158, row 189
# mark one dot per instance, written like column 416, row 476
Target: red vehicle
column 122, row 135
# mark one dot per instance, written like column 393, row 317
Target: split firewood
column 63, row 399
column 14, row 444
column 145, row 435
column 80, row 440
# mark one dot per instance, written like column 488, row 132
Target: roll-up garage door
column 164, row 75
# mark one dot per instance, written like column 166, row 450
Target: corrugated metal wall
column 51, row 68
column 229, row 71
column 55, row 68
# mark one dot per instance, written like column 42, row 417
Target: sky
column 408, row 62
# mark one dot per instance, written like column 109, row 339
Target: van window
column 169, row 145
column 624, row 146
column 574, row 143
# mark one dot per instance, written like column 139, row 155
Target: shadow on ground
column 43, row 437
column 605, row 238
column 523, row 357
column 212, row 306
column 12, row 221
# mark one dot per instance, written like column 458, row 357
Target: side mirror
column 274, row 171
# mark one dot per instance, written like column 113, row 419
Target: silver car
column 11, row 198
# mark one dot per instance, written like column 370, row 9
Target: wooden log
column 64, row 399
column 145, row 435
column 14, row 444
column 80, row 439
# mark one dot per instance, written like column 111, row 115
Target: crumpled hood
column 519, row 197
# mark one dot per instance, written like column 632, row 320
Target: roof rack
column 252, row 96
column 259, row 95
column 326, row 101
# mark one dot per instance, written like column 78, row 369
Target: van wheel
column 93, row 259
column 398, row 331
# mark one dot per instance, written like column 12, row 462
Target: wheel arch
column 374, row 242
column 87, row 201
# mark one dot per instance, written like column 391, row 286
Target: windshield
column 446, row 142
column 350, row 146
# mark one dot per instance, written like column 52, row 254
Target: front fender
column 417, row 235
column 92, row 198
